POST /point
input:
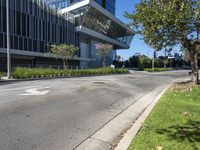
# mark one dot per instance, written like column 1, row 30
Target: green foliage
column 144, row 62
column 167, row 23
column 2, row 74
column 103, row 50
column 133, row 61
column 22, row 73
column 164, row 23
column 158, row 69
column 118, row 57
column 158, row 63
column 173, row 124
column 64, row 50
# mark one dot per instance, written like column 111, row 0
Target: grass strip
column 174, row 124
column 157, row 69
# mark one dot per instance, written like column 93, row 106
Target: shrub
column 158, row 69
column 22, row 73
column 1, row 74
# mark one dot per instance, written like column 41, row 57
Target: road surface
column 60, row 114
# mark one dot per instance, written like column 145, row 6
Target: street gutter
column 120, row 131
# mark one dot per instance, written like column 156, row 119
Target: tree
column 186, row 56
column 167, row 23
column 118, row 58
column 103, row 50
column 126, row 64
column 117, row 62
column 134, row 60
column 144, row 62
column 165, row 62
column 65, row 51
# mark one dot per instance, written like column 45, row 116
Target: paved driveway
column 60, row 114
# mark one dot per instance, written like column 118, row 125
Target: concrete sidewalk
column 110, row 135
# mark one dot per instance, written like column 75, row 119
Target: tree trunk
column 104, row 62
column 194, row 65
column 64, row 64
column 153, row 63
column 193, row 58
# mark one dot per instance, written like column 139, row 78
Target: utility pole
column 8, row 39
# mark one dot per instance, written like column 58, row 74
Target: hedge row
column 2, row 74
column 157, row 69
column 23, row 73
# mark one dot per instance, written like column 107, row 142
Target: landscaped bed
column 24, row 73
column 157, row 69
column 1, row 74
column 174, row 124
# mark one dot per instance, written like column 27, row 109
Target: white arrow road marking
column 21, row 88
column 35, row 92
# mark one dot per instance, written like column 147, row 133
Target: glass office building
column 107, row 4
column 36, row 24
column 96, row 24
column 33, row 27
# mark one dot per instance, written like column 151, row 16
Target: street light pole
column 153, row 61
column 8, row 39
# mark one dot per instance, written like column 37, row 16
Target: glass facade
column 98, row 22
column 59, row 3
column 107, row 4
column 36, row 24
column 33, row 26
column 93, row 19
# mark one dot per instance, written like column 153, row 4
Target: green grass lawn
column 174, row 124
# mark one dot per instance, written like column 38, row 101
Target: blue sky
column 138, row 45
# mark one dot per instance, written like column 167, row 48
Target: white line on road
column 14, row 89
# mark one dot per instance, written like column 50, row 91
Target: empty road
column 59, row 114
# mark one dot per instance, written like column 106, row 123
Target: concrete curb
column 130, row 135
column 109, row 136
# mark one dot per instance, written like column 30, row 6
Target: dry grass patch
column 183, row 86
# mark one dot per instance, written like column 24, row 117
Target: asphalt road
column 59, row 114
